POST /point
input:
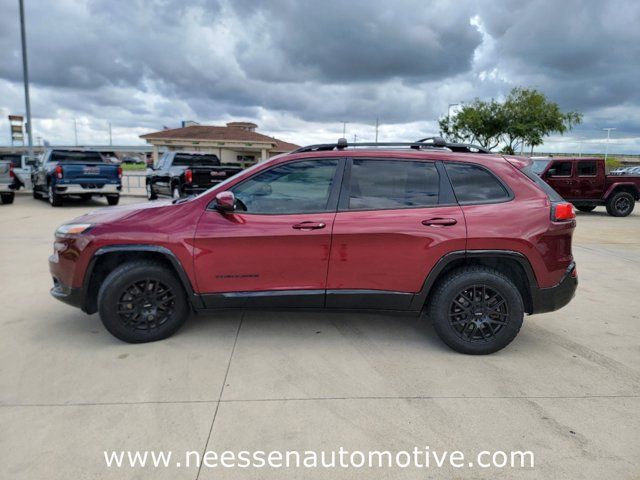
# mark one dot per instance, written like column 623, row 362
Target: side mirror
column 551, row 172
column 226, row 202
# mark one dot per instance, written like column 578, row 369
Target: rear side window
column 560, row 169
column 551, row 193
column 587, row 168
column 474, row 184
column 389, row 184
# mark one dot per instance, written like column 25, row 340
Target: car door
column 395, row 220
column 589, row 181
column 560, row 176
column 274, row 249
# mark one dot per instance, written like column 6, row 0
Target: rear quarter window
column 551, row 193
column 475, row 184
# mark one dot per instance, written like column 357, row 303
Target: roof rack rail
column 428, row 143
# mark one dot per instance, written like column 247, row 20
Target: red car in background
column 476, row 240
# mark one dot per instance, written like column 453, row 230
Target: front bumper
column 69, row 295
column 79, row 189
column 554, row 298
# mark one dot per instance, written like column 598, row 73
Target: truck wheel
column 35, row 193
column 586, row 208
column 7, row 198
column 476, row 310
column 142, row 301
column 175, row 193
column 151, row 195
column 620, row 204
column 54, row 199
column 113, row 199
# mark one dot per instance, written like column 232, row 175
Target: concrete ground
column 566, row 389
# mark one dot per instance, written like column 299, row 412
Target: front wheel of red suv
column 476, row 310
column 142, row 301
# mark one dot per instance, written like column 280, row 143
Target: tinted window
column 561, row 169
column 295, row 187
column 535, row 178
column 385, row 184
column 75, row 156
column 186, row 160
column 473, row 184
column 538, row 166
column 587, row 168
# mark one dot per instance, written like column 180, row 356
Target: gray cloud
column 306, row 65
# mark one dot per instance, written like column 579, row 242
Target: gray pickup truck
column 8, row 184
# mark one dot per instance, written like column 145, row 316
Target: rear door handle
column 309, row 226
column 439, row 222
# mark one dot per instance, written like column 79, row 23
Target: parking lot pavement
column 567, row 389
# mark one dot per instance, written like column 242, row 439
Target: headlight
column 72, row 229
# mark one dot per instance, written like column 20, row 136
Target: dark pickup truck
column 179, row 174
column 584, row 182
column 62, row 173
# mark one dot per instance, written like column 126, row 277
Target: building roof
column 231, row 133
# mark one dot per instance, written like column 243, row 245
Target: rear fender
column 627, row 186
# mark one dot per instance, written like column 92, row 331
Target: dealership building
column 237, row 142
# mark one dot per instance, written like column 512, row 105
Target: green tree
column 530, row 116
column 480, row 122
column 525, row 117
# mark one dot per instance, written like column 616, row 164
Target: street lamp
column 606, row 148
column 25, row 73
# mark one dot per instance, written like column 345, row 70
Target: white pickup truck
column 8, row 183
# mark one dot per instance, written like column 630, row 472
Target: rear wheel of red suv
column 142, row 301
column 476, row 310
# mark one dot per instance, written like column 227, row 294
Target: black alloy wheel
column 478, row 313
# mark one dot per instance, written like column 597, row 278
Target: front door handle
column 439, row 222
column 309, row 226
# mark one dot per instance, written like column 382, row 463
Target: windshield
column 538, row 166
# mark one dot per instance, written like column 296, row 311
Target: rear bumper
column 7, row 188
column 188, row 190
column 79, row 189
column 554, row 298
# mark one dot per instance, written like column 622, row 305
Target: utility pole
column 110, row 138
column 75, row 130
column 25, row 75
column 377, row 125
column 355, row 137
column 344, row 129
column 606, row 148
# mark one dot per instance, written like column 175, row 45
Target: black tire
column 55, row 200
column 7, row 198
column 113, row 199
column 461, row 317
column 153, row 317
column 586, row 208
column 151, row 194
column 35, row 193
column 620, row 204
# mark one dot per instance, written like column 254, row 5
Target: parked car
column 583, row 182
column 22, row 167
column 477, row 240
column 179, row 174
column 63, row 173
column 8, row 183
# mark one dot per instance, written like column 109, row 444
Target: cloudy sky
column 299, row 68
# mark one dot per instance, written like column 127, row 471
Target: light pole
column 344, row 129
column 110, row 137
column 25, row 75
column 606, row 148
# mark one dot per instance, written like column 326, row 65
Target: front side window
column 297, row 187
column 389, row 184
column 587, row 168
column 561, row 169
column 474, row 184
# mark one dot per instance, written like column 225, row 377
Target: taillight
column 59, row 171
column 119, row 172
column 11, row 174
column 188, row 176
column 562, row 211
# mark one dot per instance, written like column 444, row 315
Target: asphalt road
column 567, row 388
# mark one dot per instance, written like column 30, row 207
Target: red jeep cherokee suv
column 474, row 239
